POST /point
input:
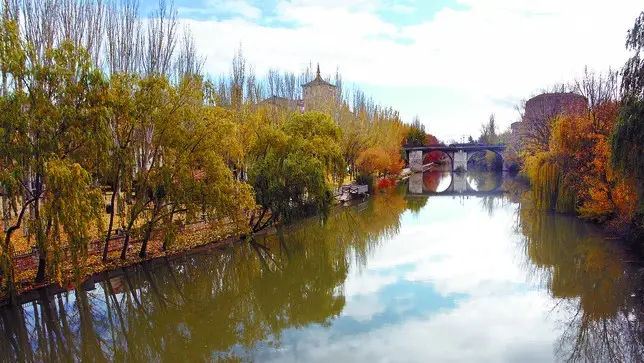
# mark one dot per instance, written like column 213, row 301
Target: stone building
column 539, row 111
column 534, row 127
column 283, row 102
column 318, row 95
column 546, row 106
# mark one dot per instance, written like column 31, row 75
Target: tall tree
column 628, row 138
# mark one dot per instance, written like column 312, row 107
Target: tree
column 61, row 118
column 628, row 138
column 488, row 132
column 373, row 161
column 416, row 137
column 433, row 156
column 72, row 207
column 291, row 166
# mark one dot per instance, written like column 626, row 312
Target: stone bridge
column 459, row 154
column 459, row 186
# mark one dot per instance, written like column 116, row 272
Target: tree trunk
column 115, row 191
column 5, row 210
column 11, row 273
column 42, row 263
column 146, row 238
column 125, row 245
column 148, row 232
column 5, row 200
column 42, row 252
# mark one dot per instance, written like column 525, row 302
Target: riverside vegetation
column 108, row 123
column 590, row 162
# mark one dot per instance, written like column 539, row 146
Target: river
column 443, row 269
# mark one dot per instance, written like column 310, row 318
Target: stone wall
column 460, row 160
column 319, row 97
column 548, row 105
column 416, row 161
column 535, row 126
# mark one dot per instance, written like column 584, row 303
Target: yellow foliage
column 379, row 161
column 575, row 173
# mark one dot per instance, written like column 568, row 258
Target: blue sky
column 452, row 62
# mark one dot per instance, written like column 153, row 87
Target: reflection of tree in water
column 488, row 182
column 513, row 189
column 220, row 306
column 432, row 180
column 597, row 291
column 485, row 182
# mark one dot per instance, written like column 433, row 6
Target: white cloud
column 245, row 9
column 236, row 7
column 490, row 50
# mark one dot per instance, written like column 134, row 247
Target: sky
column 451, row 62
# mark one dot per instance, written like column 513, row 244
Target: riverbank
column 193, row 239
column 309, row 279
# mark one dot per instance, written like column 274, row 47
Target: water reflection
column 600, row 294
column 450, row 184
column 400, row 277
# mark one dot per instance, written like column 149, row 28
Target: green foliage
column 415, row 137
column 549, row 184
column 74, row 208
column 488, row 132
column 289, row 173
column 628, row 144
column 628, row 137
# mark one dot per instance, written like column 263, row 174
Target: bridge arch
column 499, row 156
column 485, row 182
column 459, row 184
column 450, row 156
column 416, row 153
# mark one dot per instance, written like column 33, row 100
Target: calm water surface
column 446, row 269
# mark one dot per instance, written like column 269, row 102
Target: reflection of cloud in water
column 476, row 305
column 406, row 279
column 508, row 327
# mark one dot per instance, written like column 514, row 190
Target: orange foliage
column 385, row 183
column 432, row 180
column 434, row 156
column 581, row 145
column 377, row 160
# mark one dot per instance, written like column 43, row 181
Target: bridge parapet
column 458, row 154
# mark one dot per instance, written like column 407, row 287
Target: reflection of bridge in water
column 428, row 184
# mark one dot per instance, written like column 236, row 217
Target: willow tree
column 73, row 208
column 53, row 112
column 293, row 168
column 628, row 138
column 12, row 149
column 121, row 117
column 175, row 163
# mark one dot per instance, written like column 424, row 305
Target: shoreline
column 113, row 268
column 29, row 291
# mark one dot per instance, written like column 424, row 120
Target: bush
column 386, row 183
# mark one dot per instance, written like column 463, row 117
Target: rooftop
column 318, row 81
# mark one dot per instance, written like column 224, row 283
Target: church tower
column 319, row 95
